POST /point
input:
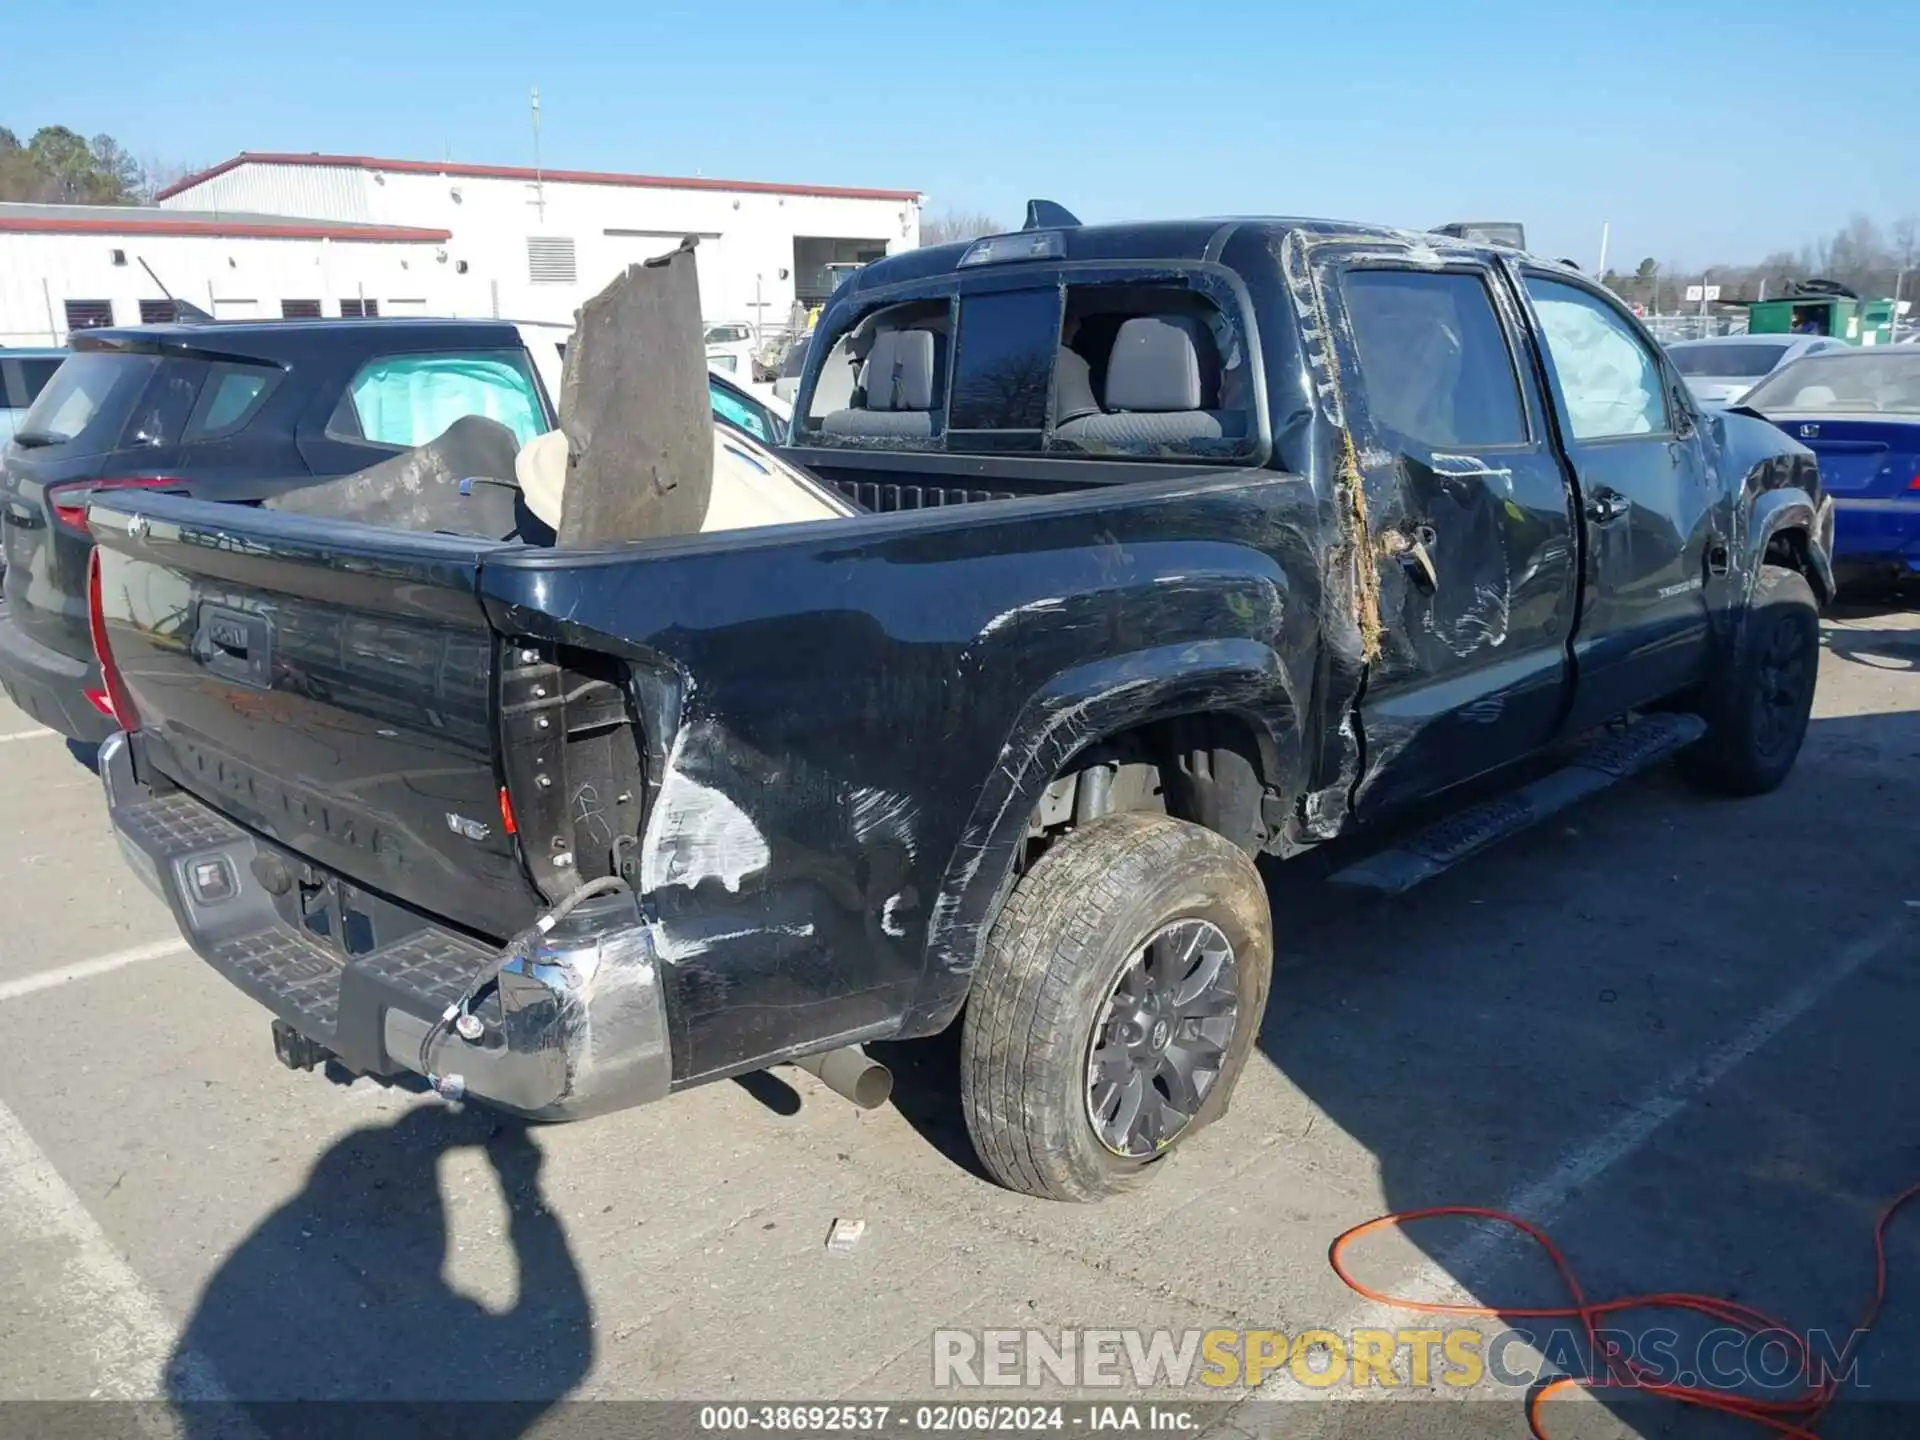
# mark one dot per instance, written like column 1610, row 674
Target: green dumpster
column 1858, row 322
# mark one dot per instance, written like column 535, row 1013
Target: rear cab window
column 409, row 399
column 1074, row 361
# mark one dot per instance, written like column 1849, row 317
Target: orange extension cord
column 1792, row 1417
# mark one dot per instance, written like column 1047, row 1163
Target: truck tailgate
column 329, row 688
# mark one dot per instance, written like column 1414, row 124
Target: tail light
column 69, row 499
column 114, row 702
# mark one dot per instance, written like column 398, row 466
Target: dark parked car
column 23, row 375
column 1188, row 542
column 225, row 411
column 1721, row 368
column 1859, row 411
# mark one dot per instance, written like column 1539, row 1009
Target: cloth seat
column 899, row 381
column 1163, row 380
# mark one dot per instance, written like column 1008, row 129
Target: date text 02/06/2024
column 949, row 1419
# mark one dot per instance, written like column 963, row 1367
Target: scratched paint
column 697, row 833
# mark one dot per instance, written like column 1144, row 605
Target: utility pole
column 539, row 184
column 1605, row 227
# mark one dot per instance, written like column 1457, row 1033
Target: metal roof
column 526, row 173
column 224, row 224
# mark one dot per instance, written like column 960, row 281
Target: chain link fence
column 1669, row 328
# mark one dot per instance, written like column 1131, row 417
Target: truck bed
column 811, row 749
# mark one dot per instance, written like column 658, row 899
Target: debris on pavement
column 845, row 1236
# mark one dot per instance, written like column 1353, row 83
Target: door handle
column 1607, row 505
column 1417, row 561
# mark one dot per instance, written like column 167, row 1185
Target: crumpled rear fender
column 1077, row 710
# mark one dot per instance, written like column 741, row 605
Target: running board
column 1598, row 764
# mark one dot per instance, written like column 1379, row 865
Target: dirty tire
column 1053, row 957
column 1757, row 707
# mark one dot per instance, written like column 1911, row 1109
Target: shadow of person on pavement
column 335, row 1316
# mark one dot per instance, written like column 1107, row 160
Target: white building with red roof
column 532, row 244
column 267, row 235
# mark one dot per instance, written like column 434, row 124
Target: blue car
column 1859, row 411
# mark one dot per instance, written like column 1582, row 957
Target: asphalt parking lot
column 1678, row 1033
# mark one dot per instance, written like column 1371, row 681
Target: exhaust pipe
column 851, row 1073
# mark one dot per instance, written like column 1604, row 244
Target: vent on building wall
column 360, row 309
column 158, row 312
column 89, row 314
column 299, row 309
column 550, row 259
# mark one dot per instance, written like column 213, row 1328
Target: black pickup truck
column 1180, row 543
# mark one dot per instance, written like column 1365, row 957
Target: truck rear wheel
column 1119, row 994
column 1757, row 706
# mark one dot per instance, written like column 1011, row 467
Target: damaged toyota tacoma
column 1155, row 548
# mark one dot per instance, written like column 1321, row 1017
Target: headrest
column 541, row 469
column 1073, row 394
column 1815, row 395
column 899, row 371
column 1156, row 365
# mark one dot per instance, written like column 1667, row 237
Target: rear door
column 1470, row 503
column 1648, row 518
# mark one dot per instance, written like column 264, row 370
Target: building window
column 359, row 309
column 158, row 312
column 89, row 314
column 299, row 309
column 550, row 260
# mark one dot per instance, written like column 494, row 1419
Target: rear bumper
column 1883, row 532
column 49, row 686
column 580, row 1032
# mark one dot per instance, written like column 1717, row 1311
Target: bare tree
column 157, row 174
column 950, row 225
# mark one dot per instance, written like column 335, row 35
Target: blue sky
column 1702, row 133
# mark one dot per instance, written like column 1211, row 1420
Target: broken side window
column 1152, row 371
column 884, row 383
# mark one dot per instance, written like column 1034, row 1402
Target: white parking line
column 87, row 969
column 131, row 1335
column 1541, row 1201
column 25, row 735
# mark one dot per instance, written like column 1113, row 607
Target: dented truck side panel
column 857, row 720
